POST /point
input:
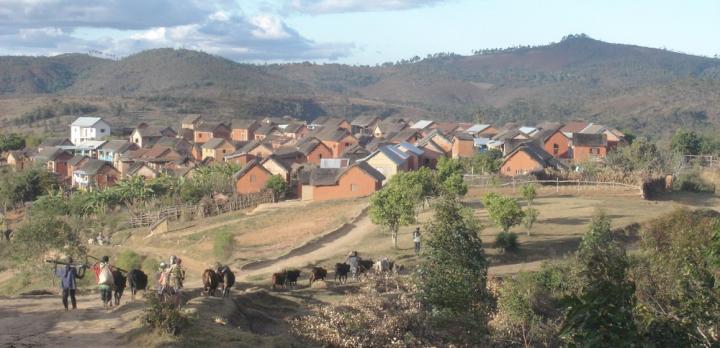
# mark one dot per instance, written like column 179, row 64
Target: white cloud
column 30, row 27
column 340, row 6
column 268, row 27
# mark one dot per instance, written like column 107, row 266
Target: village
column 326, row 159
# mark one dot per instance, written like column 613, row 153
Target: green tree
column 686, row 142
column 41, row 235
column 452, row 278
column 601, row 314
column 394, row 206
column 450, row 176
column 529, row 193
column 505, row 212
column 529, row 218
column 487, row 162
column 678, row 276
column 11, row 141
column 277, row 184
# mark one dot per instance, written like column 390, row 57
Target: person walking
column 175, row 278
column 68, row 275
column 353, row 260
column 416, row 240
column 105, row 280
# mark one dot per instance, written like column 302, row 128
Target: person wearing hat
column 67, row 275
column 160, row 278
column 105, row 280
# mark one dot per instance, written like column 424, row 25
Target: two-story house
column 88, row 128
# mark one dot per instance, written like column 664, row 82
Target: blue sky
column 347, row 31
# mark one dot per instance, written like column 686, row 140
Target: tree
column 394, row 206
column 530, row 217
column 677, row 279
column 505, row 212
column 452, row 278
column 686, row 142
column 450, row 176
column 277, row 184
column 11, row 141
column 601, row 314
column 529, row 193
column 487, row 162
column 41, row 236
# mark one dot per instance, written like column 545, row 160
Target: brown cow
column 278, row 279
column 210, row 280
column 317, row 273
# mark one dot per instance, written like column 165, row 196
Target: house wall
column 146, row 173
column 339, row 147
column 276, row 169
column 318, row 153
column 562, row 142
column 583, row 153
column 242, row 159
column 463, row 148
column 253, row 181
column 520, row 164
column 385, row 166
column 306, row 193
column 17, row 164
column 219, row 153
column 261, row 152
column 241, row 134
column 354, row 183
column 202, row 137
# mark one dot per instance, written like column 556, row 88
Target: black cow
column 291, row 277
column 119, row 280
column 317, row 273
column 365, row 265
column 137, row 280
column 341, row 272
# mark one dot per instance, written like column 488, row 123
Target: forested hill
column 635, row 87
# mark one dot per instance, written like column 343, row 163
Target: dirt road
column 342, row 243
column 38, row 321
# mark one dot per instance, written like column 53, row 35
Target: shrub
column 163, row 316
column 128, row 260
column 692, row 182
column 223, row 245
column 506, row 241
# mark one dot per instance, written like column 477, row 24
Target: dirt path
column 341, row 243
column 38, row 321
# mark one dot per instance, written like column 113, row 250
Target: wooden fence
column 203, row 209
column 701, row 160
column 577, row 185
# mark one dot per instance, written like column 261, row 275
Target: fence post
column 578, row 185
column 513, row 184
column 557, row 184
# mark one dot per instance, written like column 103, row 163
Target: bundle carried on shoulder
column 105, row 277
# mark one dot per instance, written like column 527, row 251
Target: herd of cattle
column 288, row 278
column 224, row 280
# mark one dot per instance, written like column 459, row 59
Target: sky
column 366, row 32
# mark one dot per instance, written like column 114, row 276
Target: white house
column 88, row 128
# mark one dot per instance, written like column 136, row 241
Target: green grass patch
column 223, row 245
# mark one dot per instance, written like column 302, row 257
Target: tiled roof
column 582, row 139
column 364, row 120
column 214, row 143
column 422, row 124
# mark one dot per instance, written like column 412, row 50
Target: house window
column 353, row 187
column 556, row 149
column 320, row 156
column 253, row 178
column 102, row 130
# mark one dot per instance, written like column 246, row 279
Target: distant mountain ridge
column 578, row 77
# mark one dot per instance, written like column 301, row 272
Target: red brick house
column 244, row 130
column 336, row 139
column 589, row 147
column 251, row 178
column 204, row 132
column 314, row 150
column 463, row 146
column 357, row 180
column 95, row 175
column 56, row 161
column 529, row 158
column 554, row 141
